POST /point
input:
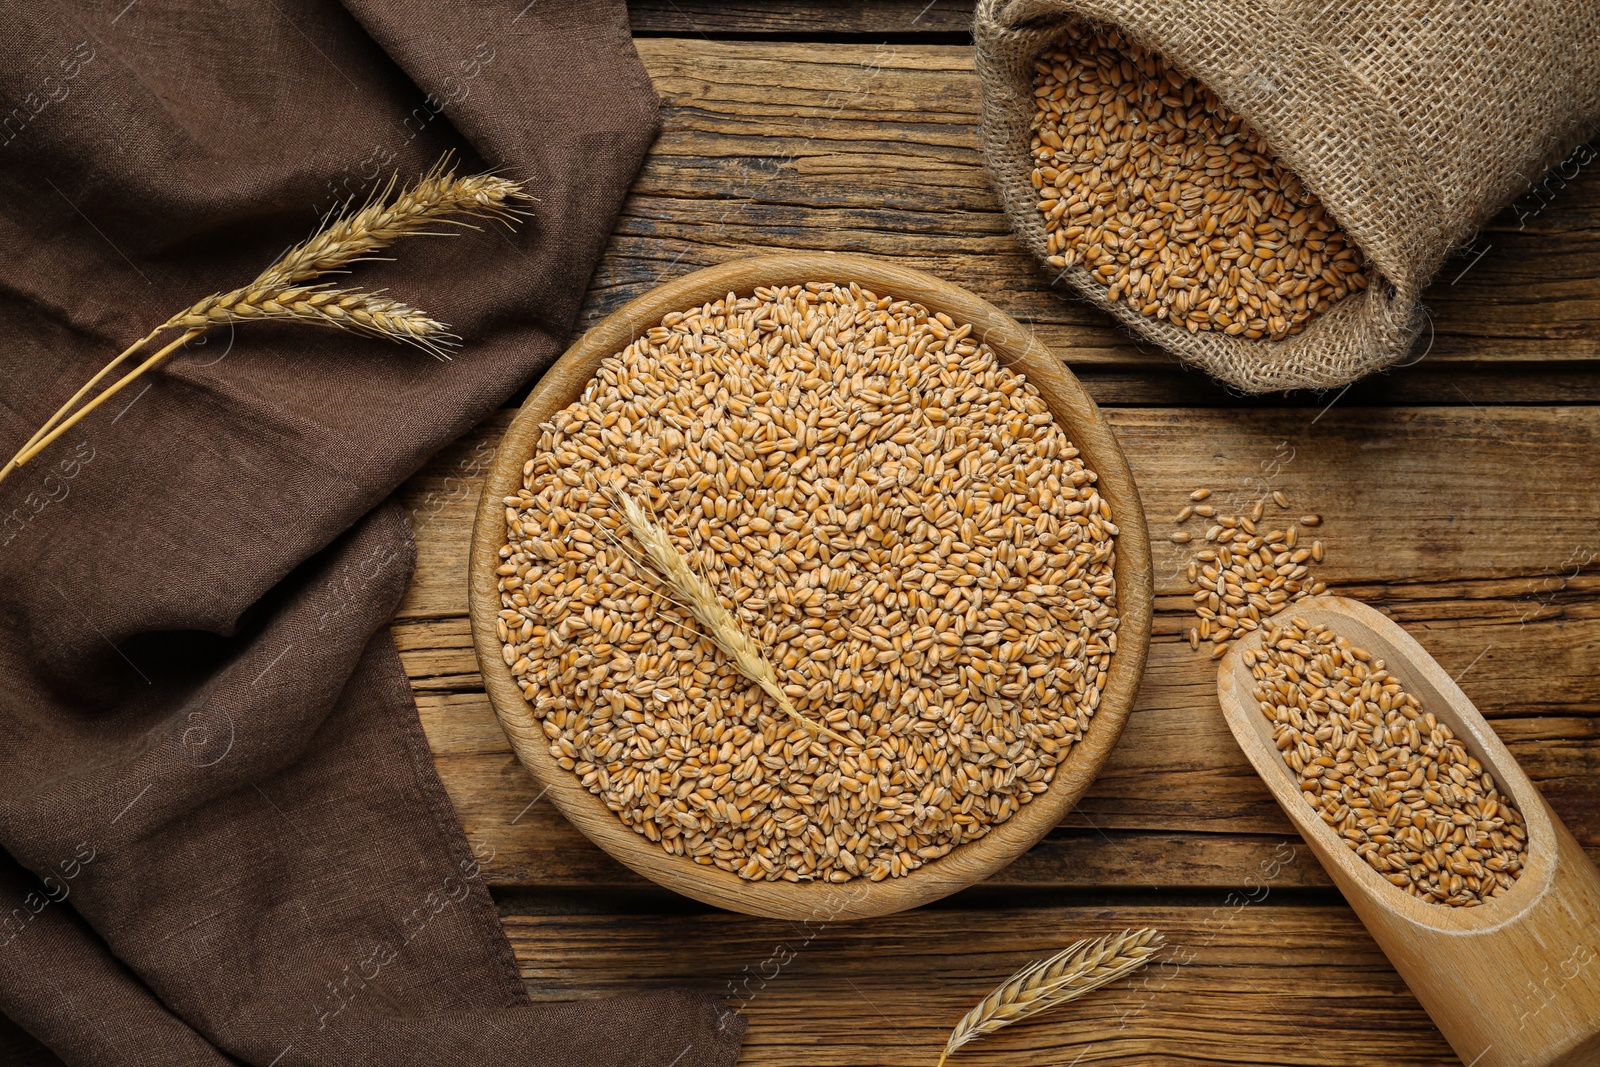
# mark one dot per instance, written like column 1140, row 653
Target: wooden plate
column 967, row 863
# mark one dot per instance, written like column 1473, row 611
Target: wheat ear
column 349, row 309
column 700, row 599
column 279, row 293
column 1047, row 984
column 354, row 235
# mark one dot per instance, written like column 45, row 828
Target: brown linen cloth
column 226, row 840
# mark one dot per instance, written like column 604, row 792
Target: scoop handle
column 1524, row 994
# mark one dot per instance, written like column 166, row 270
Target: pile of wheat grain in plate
column 898, row 529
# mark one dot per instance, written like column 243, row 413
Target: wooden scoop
column 1514, row 981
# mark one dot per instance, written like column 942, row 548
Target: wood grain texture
column 1073, row 411
column 833, row 125
column 819, row 18
column 1473, row 527
column 1491, row 494
column 1447, row 384
column 1240, row 983
column 771, row 146
column 1469, row 967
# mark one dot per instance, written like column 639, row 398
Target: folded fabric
column 226, row 840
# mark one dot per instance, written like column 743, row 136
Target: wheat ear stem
column 16, row 461
column 77, row 416
column 90, row 384
column 700, row 599
column 1046, row 984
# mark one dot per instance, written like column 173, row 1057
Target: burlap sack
column 1413, row 122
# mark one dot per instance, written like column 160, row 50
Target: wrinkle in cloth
column 224, row 838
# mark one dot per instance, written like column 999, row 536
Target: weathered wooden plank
column 872, row 148
column 1176, row 804
column 1263, row 983
column 820, row 18
column 1472, row 526
column 1410, row 495
column 1450, row 384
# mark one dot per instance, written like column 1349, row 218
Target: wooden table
column 1460, row 494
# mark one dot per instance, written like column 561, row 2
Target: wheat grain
column 1243, row 577
column 1049, row 983
column 1171, row 202
column 896, row 521
column 1391, row 780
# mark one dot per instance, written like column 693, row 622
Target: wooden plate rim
column 859, row 898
